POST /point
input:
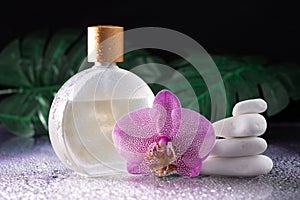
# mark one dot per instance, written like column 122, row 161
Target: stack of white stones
column 238, row 154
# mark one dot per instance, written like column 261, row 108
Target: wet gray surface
column 29, row 169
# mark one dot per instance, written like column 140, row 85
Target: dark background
column 266, row 28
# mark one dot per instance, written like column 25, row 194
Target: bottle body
column 84, row 112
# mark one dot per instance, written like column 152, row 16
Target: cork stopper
column 105, row 43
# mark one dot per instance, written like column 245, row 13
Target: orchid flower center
column 160, row 155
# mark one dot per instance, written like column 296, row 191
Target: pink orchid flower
column 164, row 138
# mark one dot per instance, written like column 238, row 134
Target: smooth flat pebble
column 246, row 125
column 238, row 166
column 236, row 147
column 249, row 106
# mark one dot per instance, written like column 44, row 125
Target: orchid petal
column 168, row 100
column 187, row 122
column 135, row 131
column 193, row 142
column 133, row 150
column 164, row 102
column 208, row 142
column 132, row 135
column 138, row 168
column 140, row 123
column 189, row 169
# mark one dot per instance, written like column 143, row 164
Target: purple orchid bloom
column 164, row 138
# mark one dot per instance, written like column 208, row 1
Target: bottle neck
column 105, row 65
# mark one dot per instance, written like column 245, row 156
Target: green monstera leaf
column 243, row 78
column 31, row 71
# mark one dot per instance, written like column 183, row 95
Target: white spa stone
column 238, row 166
column 246, row 125
column 249, row 106
column 236, row 147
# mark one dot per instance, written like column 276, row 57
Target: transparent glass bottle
column 86, row 107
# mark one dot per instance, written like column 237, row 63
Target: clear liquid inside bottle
column 84, row 113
